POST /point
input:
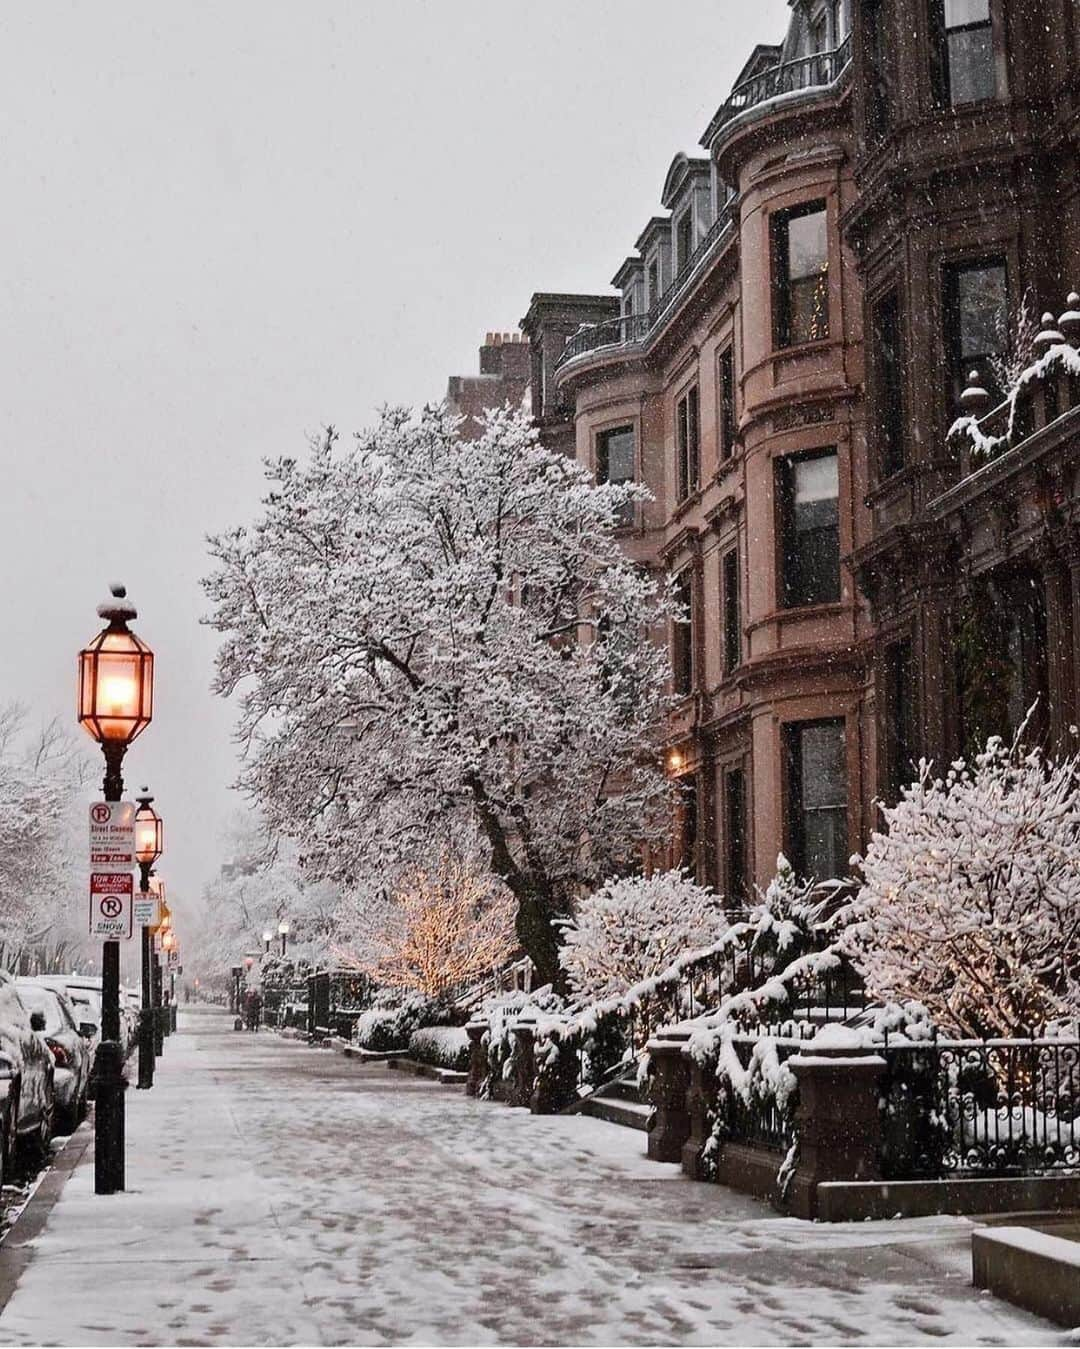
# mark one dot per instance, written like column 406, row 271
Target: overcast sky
column 227, row 224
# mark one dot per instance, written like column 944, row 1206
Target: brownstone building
column 781, row 365
column 967, row 174
column 504, row 374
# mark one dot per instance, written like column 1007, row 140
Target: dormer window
column 684, row 238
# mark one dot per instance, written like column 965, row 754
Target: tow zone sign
column 111, row 894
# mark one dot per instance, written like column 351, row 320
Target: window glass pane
column 819, row 797
column 888, row 395
column 736, row 834
column 683, row 636
column 807, row 278
column 811, row 539
column 960, row 12
column 615, row 464
column 971, row 66
column 727, row 402
column 981, row 309
column 824, row 775
column 808, row 252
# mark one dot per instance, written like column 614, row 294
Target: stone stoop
column 620, row 1103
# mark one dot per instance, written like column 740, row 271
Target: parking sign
column 111, row 895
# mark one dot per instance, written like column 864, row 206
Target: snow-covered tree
column 42, row 824
column 428, row 630
column 262, row 882
column 439, row 930
column 633, row 928
column 970, row 902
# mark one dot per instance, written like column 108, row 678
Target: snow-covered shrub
column 392, row 1019
column 970, row 902
column 786, row 917
column 634, row 928
column 441, row 1046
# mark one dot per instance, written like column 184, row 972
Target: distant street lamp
column 283, row 933
column 268, row 937
column 169, row 944
column 149, row 845
column 115, row 704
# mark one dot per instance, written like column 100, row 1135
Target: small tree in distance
column 970, row 902
column 442, row 929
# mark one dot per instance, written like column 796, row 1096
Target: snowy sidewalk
column 283, row 1195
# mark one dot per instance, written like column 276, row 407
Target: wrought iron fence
column 606, row 1039
column 756, row 1117
column 981, row 1107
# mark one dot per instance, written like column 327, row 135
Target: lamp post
column 149, row 845
column 168, row 946
column 161, row 1028
column 237, row 971
column 115, row 704
column 268, row 937
column 283, row 933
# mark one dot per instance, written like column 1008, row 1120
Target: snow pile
column 441, row 1046
column 392, row 1020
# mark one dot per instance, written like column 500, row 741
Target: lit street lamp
column 283, row 933
column 115, row 704
column 149, row 845
column 268, row 937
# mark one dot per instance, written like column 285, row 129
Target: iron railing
column 759, row 1120
column 806, row 72
column 617, row 1032
column 981, row 1107
column 629, row 329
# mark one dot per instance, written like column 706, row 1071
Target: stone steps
column 620, row 1103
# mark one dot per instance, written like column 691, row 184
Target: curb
column 16, row 1250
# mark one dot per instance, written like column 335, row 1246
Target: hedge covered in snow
column 441, row 1046
column 390, row 1023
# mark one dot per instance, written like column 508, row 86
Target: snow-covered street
column 279, row 1194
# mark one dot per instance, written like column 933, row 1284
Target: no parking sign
column 111, row 895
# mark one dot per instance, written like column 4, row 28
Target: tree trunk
column 539, row 938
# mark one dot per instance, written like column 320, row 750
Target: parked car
column 27, row 1073
column 84, row 992
column 69, row 1043
column 130, row 1003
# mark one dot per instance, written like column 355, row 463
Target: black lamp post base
column 109, row 1088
